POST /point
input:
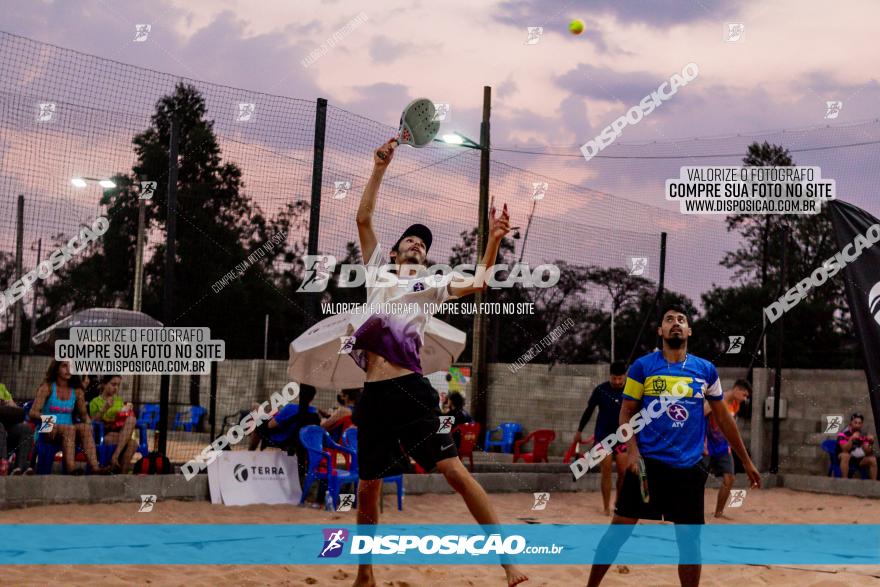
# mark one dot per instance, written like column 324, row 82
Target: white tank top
column 392, row 324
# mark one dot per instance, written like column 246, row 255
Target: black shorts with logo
column 397, row 415
column 674, row 495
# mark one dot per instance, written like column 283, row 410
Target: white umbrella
column 315, row 358
column 443, row 344
column 94, row 317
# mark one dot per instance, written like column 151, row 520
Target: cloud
column 552, row 96
column 385, row 50
column 659, row 13
column 607, row 84
column 222, row 50
column 506, row 89
column 382, row 101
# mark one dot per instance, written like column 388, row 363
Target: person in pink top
column 856, row 448
column 61, row 396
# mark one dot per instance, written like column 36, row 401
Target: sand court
column 767, row 506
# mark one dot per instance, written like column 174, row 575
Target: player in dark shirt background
column 607, row 398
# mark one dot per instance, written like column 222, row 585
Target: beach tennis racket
column 643, row 479
column 417, row 125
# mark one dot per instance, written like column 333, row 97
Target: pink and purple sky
column 549, row 97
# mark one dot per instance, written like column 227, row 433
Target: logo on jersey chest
column 674, row 385
column 678, row 414
column 418, row 286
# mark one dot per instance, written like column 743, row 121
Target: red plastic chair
column 541, row 443
column 470, row 433
column 572, row 452
column 336, row 433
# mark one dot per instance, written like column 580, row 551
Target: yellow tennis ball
column 576, row 26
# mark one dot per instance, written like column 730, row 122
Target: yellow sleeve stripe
column 633, row 389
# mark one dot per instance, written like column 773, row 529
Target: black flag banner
column 856, row 230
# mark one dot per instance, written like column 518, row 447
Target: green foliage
column 818, row 332
column 218, row 228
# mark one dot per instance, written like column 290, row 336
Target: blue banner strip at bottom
column 252, row 544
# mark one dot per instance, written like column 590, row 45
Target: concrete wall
column 17, row 492
column 239, row 383
column 537, row 397
column 39, row 490
column 810, row 394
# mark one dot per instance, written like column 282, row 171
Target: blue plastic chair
column 194, row 413
column 47, row 450
column 314, row 439
column 350, row 438
column 105, row 451
column 508, row 430
column 830, row 447
column 149, row 416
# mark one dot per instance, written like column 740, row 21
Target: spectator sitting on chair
column 282, row 430
column 92, row 385
column 340, row 403
column 14, row 434
column 347, row 399
column 118, row 420
column 856, row 448
column 59, row 395
column 457, row 411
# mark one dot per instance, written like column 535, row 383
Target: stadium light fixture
column 456, row 138
column 81, row 182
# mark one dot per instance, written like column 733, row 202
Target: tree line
column 219, row 226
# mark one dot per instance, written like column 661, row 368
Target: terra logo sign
column 258, row 473
column 334, row 539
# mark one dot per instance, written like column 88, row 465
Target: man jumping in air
column 670, row 444
column 398, row 408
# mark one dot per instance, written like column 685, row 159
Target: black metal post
column 36, row 287
column 480, row 375
column 168, row 286
column 213, row 400
column 17, row 313
column 777, row 378
column 661, row 284
column 195, row 383
column 313, row 299
column 655, row 308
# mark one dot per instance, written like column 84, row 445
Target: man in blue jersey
column 670, row 443
column 607, row 398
